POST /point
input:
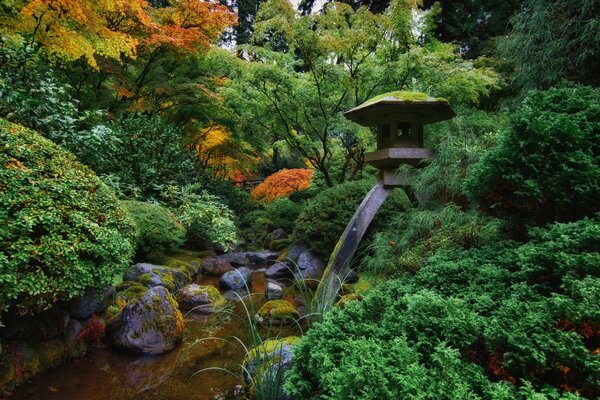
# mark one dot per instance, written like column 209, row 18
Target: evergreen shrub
column 62, row 230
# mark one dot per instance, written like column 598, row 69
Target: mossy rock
column 280, row 244
column 205, row 299
column 159, row 275
column 269, row 346
column 277, row 312
column 150, row 324
column 184, row 266
column 265, row 367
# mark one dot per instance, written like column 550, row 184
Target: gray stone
column 279, row 270
column 149, row 324
column 262, row 257
column 238, row 279
column 215, row 266
column 72, row 331
column 274, row 291
column 294, row 253
column 277, row 234
column 91, row 302
column 235, row 259
column 309, row 266
column 171, row 278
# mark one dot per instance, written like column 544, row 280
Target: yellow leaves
column 227, row 157
column 74, row 29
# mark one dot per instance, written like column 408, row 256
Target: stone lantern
column 399, row 118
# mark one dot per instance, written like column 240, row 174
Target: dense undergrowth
column 500, row 322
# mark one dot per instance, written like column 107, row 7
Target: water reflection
column 106, row 374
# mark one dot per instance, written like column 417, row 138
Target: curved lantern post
column 399, row 118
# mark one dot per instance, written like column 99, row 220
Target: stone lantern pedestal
column 399, row 118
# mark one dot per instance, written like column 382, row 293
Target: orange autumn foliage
column 282, row 184
column 114, row 29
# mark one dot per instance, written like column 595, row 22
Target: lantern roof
column 401, row 106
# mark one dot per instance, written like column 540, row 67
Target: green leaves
column 62, row 229
column 545, row 166
column 482, row 323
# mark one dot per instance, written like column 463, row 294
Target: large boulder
column 279, row 270
column 206, row 299
column 215, row 266
column 157, row 275
column 235, row 259
column 306, row 264
column 262, row 257
column 238, row 279
column 148, row 324
column 91, row 302
column 266, row 365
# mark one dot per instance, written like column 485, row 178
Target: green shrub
column 283, row 214
column 545, row 166
column 325, row 217
column 137, row 156
column 208, row 220
column 61, row 229
column 158, row 229
column 302, row 196
column 280, row 213
column 410, row 238
column 505, row 321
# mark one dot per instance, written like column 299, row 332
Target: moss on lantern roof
column 405, row 96
column 401, row 106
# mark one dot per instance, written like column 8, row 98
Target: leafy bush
column 545, row 166
column 410, row 238
column 61, row 229
column 138, row 156
column 158, row 229
column 283, row 214
column 303, row 195
column 280, row 213
column 325, row 217
column 31, row 93
column 208, row 220
column 506, row 321
column 282, row 184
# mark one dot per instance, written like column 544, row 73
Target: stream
column 107, row 374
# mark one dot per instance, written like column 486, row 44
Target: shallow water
column 106, row 374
